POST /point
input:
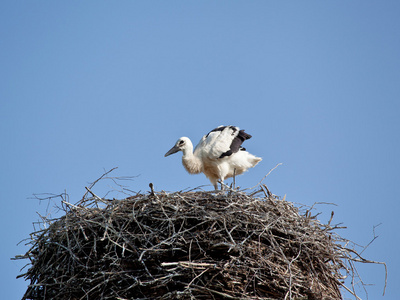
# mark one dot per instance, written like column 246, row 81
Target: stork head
column 181, row 145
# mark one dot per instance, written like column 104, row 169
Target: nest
column 185, row 245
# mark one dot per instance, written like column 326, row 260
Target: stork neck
column 191, row 162
column 188, row 150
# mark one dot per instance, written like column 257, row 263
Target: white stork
column 219, row 154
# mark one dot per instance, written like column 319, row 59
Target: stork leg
column 221, row 182
column 214, row 182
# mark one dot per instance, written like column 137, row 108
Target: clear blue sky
column 86, row 86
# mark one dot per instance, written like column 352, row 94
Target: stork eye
column 181, row 143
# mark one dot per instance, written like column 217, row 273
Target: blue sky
column 88, row 86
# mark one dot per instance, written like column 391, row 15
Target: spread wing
column 221, row 141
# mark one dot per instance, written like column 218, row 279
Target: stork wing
column 221, row 141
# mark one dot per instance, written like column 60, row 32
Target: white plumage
column 218, row 155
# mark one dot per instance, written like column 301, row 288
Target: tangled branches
column 189, row 245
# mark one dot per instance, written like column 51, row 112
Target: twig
column 270, row 171
column 97, row 180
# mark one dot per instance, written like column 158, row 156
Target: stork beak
column 173, row 150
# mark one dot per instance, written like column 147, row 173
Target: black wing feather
column 236, row 143
column 220, row 128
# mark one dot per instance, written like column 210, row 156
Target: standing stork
column 219, row 154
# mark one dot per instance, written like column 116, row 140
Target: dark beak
column 173, row 150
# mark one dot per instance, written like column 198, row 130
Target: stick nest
column 185, row 245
